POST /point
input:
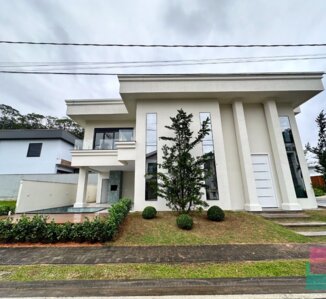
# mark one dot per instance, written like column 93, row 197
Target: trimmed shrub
column 37, row 229
column 319, row 191
column 215, row 213
column 149, row 213
column 184, row 221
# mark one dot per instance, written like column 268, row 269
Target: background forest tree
column 319, row 150
column 11, row 118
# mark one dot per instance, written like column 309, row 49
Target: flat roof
column 30, row 134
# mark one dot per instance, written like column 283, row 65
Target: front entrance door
column 115, row 186
column 263, row 180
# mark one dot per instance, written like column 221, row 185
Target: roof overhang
column 82, row 111
column 293, row 88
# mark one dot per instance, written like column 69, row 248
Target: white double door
column 263, row 180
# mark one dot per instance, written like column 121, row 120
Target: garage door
column 263, row 181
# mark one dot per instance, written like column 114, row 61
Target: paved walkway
column 157, row 254
column 285, row 285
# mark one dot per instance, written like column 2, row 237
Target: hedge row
column 36, row 229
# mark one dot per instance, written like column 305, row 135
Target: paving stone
column 152, row 254
column 159, row 287
column 312, row 233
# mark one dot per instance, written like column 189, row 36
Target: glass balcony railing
column 106, row 140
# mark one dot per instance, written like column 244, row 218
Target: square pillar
column 247, row 174
column 220, row 161
column 289, row 198
column 99, row 188
column 81, row 188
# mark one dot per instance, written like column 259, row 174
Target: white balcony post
column 81, row 188
column 251, row 199
column 289, row 199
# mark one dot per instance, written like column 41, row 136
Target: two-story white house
column 258, row 159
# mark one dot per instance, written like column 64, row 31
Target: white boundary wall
column 36, row 195
column 9, row 183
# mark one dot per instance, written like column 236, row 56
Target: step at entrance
column 283, row 215
column 302, row 224
column 312, row 233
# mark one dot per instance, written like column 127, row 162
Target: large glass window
column 292, row 155
column 208, row 148
column 151, row 156
column 105, row 139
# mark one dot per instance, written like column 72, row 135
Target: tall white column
column 81, row 188
column 99, row 188
column 289, row 199
column 248, row 180
column 220, row 160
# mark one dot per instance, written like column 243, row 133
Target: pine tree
column 320, row 150
column 183, row 175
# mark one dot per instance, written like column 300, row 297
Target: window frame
column 109, row 130
column 206, row 143
column 29, row 149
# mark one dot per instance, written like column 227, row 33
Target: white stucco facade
column 252, row 116
column 14, row 157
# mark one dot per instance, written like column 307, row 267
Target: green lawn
column 238, row 227
column 153, row 271
column 6, row 206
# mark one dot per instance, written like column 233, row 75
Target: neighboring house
column 255, row 145
column 317, row 179
column 35, row 151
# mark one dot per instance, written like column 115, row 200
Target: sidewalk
column 152, row 254
column 83, row 288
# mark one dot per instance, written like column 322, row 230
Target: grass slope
column 238, row 227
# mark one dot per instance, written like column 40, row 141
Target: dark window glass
column 151, row 156
column 105, row 139
column 208, row 148
column 293, row 159
column 34, row 150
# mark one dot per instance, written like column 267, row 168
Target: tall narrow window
column 292, row 155
column 208, row 148
column 151, row 156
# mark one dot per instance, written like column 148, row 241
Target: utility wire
column 165, row 45
column 60, row 71
column 76, row 63
column 175, row 64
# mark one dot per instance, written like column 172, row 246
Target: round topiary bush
column 184, row 221
column 149, row 212
column 215, row 213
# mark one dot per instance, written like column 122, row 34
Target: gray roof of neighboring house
column 37, row 134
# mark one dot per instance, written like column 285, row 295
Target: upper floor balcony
column 110, row 147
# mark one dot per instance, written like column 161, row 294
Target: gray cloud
column 148, row 21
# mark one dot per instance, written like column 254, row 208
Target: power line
column 165, row 45
column 24, row 64
column 198, row 62
column 63, row 73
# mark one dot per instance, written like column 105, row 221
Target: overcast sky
column 153, row 21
